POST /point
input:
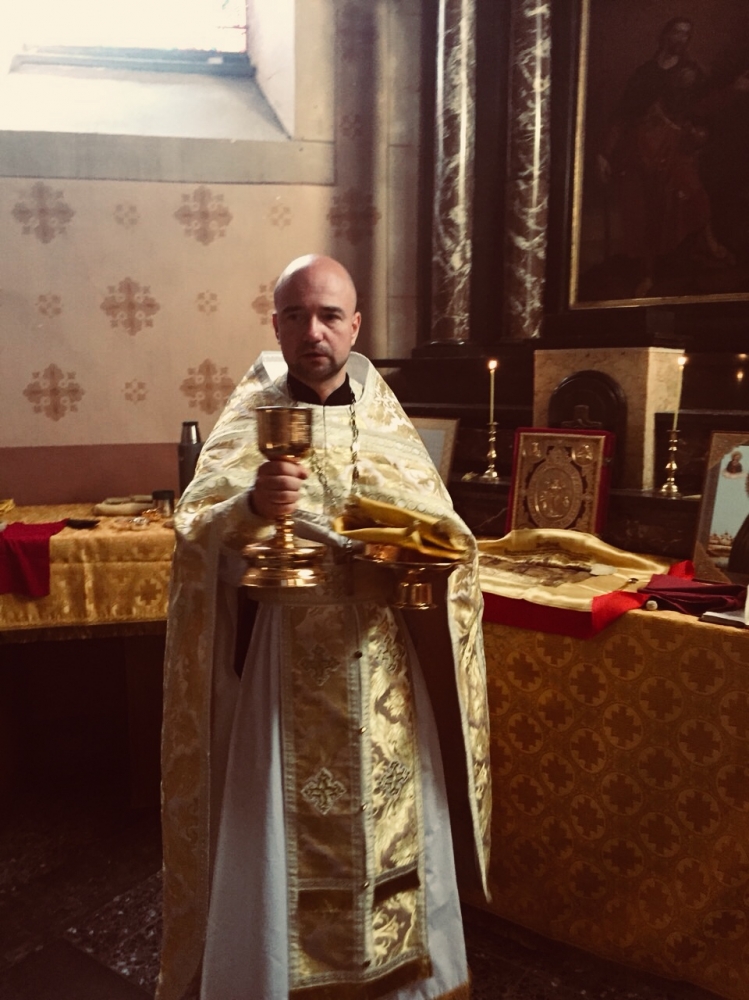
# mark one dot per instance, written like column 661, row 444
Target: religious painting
column 721, row 551
column 560, row 479
column 660, row 188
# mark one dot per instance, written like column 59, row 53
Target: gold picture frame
column 721, row 548
column 438, row 435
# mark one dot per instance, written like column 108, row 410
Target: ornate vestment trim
column 352, row 782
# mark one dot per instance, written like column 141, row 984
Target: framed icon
column 721, row 549
column 560, row 479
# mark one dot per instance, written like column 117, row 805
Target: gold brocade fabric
column 565, row 569
column 98, row 576
column 214, row 520
column 621, row 805
column 355, row 906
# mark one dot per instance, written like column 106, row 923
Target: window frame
column 209, row 61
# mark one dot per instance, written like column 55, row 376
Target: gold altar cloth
column 98, row 576
column 620, row 767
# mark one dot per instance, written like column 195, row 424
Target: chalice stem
column 284, row 537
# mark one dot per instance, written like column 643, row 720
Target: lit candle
column 492, row 369
column 681, row 361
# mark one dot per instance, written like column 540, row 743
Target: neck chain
column 317, row 461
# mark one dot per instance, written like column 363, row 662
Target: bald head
column 313, row 262
column 316, row 321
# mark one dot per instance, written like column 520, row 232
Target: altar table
column 106, row 582
column 621, row 792
column 100, row 578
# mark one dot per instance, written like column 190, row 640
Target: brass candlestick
column 491, row 475
column 669, row 488
column 284, row 433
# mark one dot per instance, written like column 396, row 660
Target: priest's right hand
column 276, row 489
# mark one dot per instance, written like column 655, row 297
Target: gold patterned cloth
column 356, row 879
column 621, row 776
column 560, row 568
column 98, row 576
column 556, row 580
column 213, row 523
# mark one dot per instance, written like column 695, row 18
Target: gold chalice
column 284, row 433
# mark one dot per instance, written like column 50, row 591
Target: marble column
column 452, row 219
column 528, row 167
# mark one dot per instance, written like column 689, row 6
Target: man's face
column 316, row 325
column 678, row 37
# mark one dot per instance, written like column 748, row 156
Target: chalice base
column 269, row 565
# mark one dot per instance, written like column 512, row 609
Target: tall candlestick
column 492, row 370
column 681, row 362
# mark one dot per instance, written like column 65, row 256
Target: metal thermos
column 188, row 451
column 164, row 502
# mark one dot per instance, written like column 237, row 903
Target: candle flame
column 682, row 360
column 492, row 364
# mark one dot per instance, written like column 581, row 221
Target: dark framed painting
column 721, row 550
column 657, row 201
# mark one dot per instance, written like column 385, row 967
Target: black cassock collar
column 302, row 393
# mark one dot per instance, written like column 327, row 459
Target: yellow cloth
column 97, row 576
column 565, row 569
column 377, row 522
column 621, row 777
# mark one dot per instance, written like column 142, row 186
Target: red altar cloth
column 24, row 558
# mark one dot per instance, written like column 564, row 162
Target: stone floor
column 80, row 920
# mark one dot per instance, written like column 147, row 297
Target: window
column 121, row 123
column 54, row 27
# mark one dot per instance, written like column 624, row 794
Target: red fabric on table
column 561, row 621
column 24, row 558
column 680, row 592
column 604, row 609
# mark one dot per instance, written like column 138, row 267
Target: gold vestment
column 361, row 933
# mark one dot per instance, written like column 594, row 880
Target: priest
column 325, row 761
